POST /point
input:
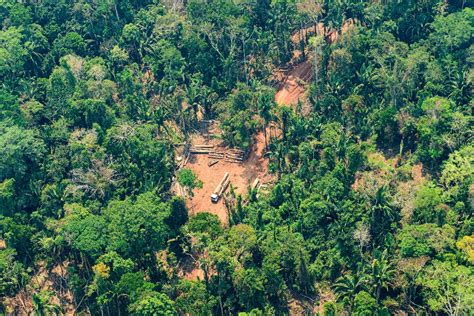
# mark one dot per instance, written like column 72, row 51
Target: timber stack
column 216, row 155
column 235, row 155
column 201, row 149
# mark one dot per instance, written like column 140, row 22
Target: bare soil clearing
column 241, row 175
column 293, row 81
column 294, row 85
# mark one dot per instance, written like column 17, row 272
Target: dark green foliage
column 137, row 228
column 364, row 304
column 371, row 203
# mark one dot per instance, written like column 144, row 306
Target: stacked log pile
column 216, row 155
column 235, row 155
column 201, row 149
column 231, row 155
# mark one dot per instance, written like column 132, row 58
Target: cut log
column 186, row 160
column 222, row 185
column 199, row 151
column 255, row 183
column 233, row 160
column 203, row 146
column 235, row 157
column 212, row 163
column 237, row 152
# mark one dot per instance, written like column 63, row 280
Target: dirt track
column 293, row 87
column 294, row 80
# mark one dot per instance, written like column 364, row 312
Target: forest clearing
column 242, row 174
column 290, row 90
column 250, row 158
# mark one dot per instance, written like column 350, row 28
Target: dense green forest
column 371, row 209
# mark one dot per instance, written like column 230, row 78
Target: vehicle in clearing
column 220, row 189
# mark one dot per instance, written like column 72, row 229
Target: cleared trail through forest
column 295, row 79
column 294, row 85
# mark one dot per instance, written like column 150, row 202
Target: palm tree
column 265, row 104
column 285, row 114
column 347, row 286
column 382, row 273
column 278, row 155
column 381, row 207
column 382, row 212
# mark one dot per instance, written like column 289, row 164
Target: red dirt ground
column 294, row 82
column 241, row 176
column 293, row 87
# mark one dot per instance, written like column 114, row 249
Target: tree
column 427, row 201
column 317, row 44
column 12, row 53
column 382, row 273
column 137, row 228
column 435, row 128
column 466, row 245
column 12, row 273
column 364, row 304
column 250, row 285
column 193, row 298
column 9, row 107
column 70, row 43
column 362, row 236
column 265, row 104
column 83, row 231
column 410, row 269
column 143, row 161
column 188, row 179
column 451, row 32
column 425, row 240
column 7, row 193
column 61, row 87
column 153, row 304
column 348, row 286
column 21, row 153
column 447, row 287
column 329, row 309
column 458, row 171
